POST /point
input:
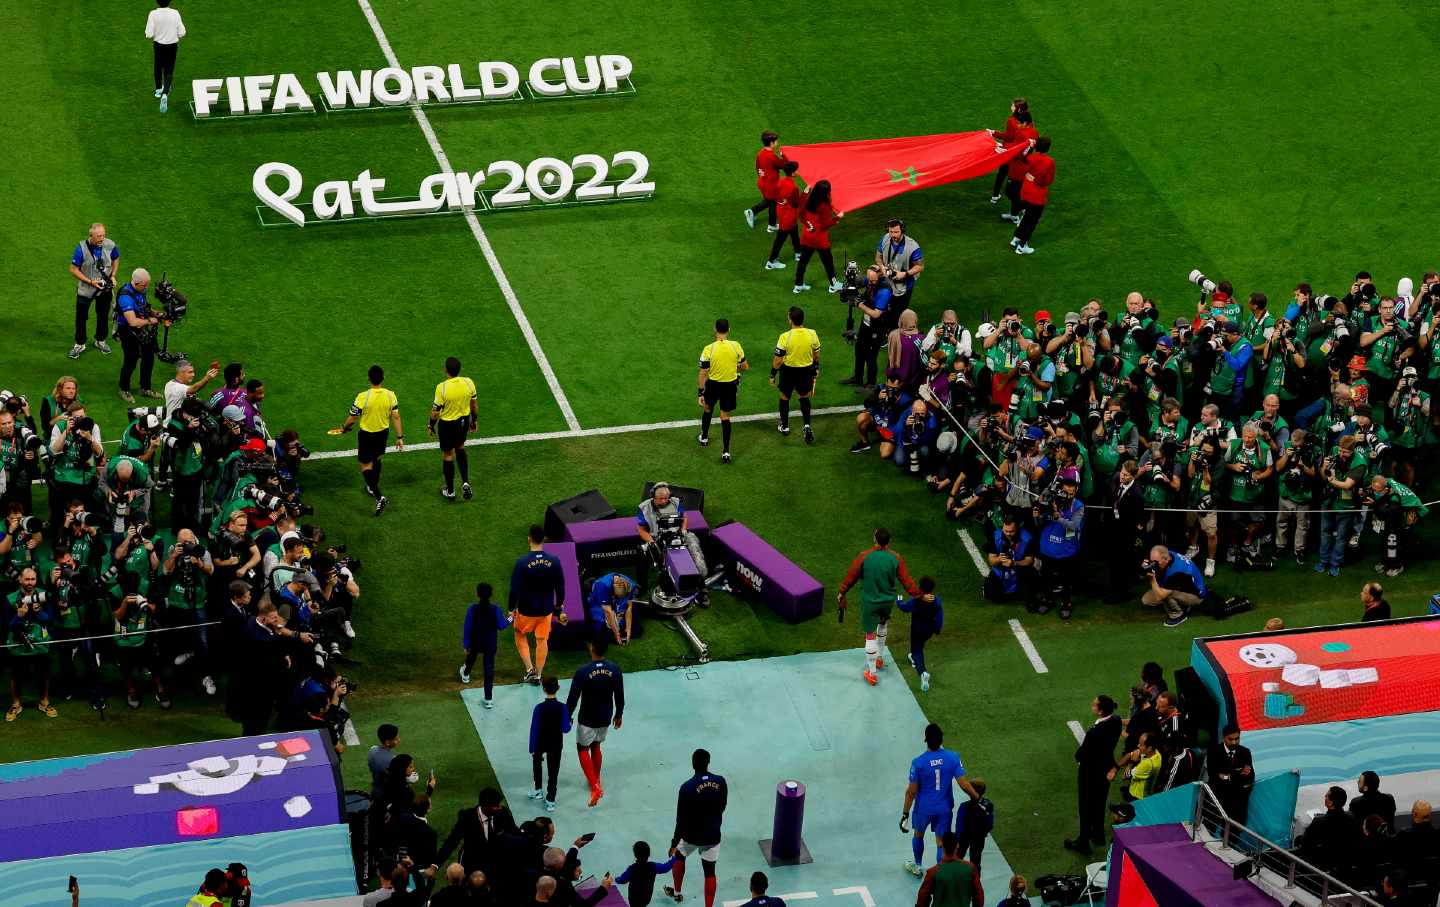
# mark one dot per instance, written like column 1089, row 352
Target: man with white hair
column 94, row 265
column 134, row 323
column 184, row 385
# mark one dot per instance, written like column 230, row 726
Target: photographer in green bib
column 27, row 621
column 1250, row 465
column 1411, row 425
column 1386, row 342
column 76, row 451
column 1299, row 472
column 186, row 571
column 135, row 649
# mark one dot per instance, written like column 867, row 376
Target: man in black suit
column 1332, row 838
column 1417, row 848
column 1095, row 758
column 1372, row 801
column 478, row 831
column 1126, row 525
column 1232, row 773
column 409, row 834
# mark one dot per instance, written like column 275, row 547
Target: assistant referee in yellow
column 797, row 362
column 452, row 417
column 721, row 363
column 376, row 409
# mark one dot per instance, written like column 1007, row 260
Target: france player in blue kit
column 931, row 775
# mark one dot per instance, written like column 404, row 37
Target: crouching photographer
column 916, row 439
column 1011, row 556
column 1062, row 519
column 1175, row 584
column 292, row 583
column 1395, row 511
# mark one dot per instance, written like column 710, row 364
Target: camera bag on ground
column 1060, row 891
column 1221, row 608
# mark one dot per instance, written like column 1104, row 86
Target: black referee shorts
column 796, row 379
column 451, row 432
column 721, row 395
column 371, row 445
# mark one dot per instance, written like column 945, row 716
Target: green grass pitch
column 1266, row 145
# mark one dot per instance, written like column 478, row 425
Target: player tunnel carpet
column 807, row 717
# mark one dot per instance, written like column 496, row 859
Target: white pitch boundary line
column 582, row 432
column 504, row 282
column 1030, row 651
column 1077, row 730
column 974, row 550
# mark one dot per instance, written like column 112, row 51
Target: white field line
column 504, row 282
column 1029, row 647
column 974, row 550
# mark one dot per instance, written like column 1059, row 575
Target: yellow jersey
column 799, row 346
column 374, row 406
column 722, row 360
column 452, row 398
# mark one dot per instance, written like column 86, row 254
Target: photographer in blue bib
column 94, row 265
column 135, row 325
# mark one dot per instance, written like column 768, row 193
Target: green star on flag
column 908, row 175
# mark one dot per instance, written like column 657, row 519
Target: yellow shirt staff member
column 721, row 363
column 376, row 409
column 452, row 417
column 797, row 360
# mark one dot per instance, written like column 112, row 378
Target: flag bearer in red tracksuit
column 816, row 218
column 767, row 178
column 1025, row 132
column 787, row 206
column 1039, row 174
column 1008, row 138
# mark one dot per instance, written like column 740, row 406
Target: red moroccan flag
column 864, row 172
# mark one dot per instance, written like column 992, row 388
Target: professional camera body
column 853, row 289
column 173, row 305
column 1206, row 285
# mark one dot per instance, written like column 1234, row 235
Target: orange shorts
column 540, row 626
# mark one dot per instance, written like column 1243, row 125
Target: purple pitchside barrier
column 755, row 565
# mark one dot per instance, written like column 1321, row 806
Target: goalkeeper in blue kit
column 930, row 798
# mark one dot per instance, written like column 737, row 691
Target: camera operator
column 1384, row 339
column 1250, row 465
column 1036, row 386
column 1397, row 511
column 184, row 450
column 662, row 515
column 94, row 265
column 1298, row 468
column 1074, row 356
column 876, row 323
column 1411, row 421
column 75, row 450
column 135, row 650
column 135, row 554
column 1343, row 476
column 20, row 543
column 1258, row 328
column 1219, row 305
column 1139, row 328
column 1005, row 345
column 916, row 438
column 290, row 584
column 75, row 591
column 1113, row 438
column 125, row 487
column 1062, row 518
column 1231, row 372
column 187, row 570
column 135, row 327
column 234, row 554
column 1362, row 292
column 27, row 624
column 1171, row 426
column 885, row 411
column 1011, row 555
column 1273, row 430
column 337, row 587
column 1203, row 472
column 1024, row 469
column 1160, row 479
column 21, row 453
column 1175, row 584
column 900, row 261
column 950, row 336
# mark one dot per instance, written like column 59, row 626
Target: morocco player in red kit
column 767, row 179
column 1034, row 192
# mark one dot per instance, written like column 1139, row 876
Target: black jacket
column 1224, row 769
column 1096, row 753
column 476, row 851
column 1331, row 840
column 1373, row 803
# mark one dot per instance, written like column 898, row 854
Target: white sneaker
column 774, row 265
column 549, row 806
column 994, row 199
column 925, row 682
column 1024, row 250
column 797, row 256
column 349, row 629
column 702, row 440
column 103, row 347
column 835, row 286
column 1210, row 566
column 1010, row 217
column 164, row 103
column 910, row 658
column 914, row 870
column 750, row 218
column 1192, row 552
column 802, row 288
column 183, row 657
column 76, row 350
column 159, row 92
column 772, row 229
column 489, row 703
column 1014, row 242
column 208, row 683
column 537, row 794
column 464, row 675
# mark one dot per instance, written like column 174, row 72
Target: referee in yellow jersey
column 797, row 360
column 376, row 409
column 452, row 417
column 721, row 363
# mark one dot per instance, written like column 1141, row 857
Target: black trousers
column 185, row 505
column 1000, row 176
column 806, row 252
column 552, row 774
column 1094, row 790
column 102, row 315
column 867, row 348
column 136, row 352
column 768, row 206
column 1012, row 192
column 165, row 65
column 1029, row 217
column 792, row 234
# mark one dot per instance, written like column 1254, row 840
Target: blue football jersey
column 935, row 772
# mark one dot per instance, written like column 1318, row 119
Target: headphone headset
column 898, row 221
column 654, row 489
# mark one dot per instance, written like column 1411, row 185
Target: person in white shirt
column 165, row 28
column 184, row 385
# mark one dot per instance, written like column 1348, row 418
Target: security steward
column 376, row 409
column 216, row 886
column 452, row 417
column 797, row 362
column 721, row 363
